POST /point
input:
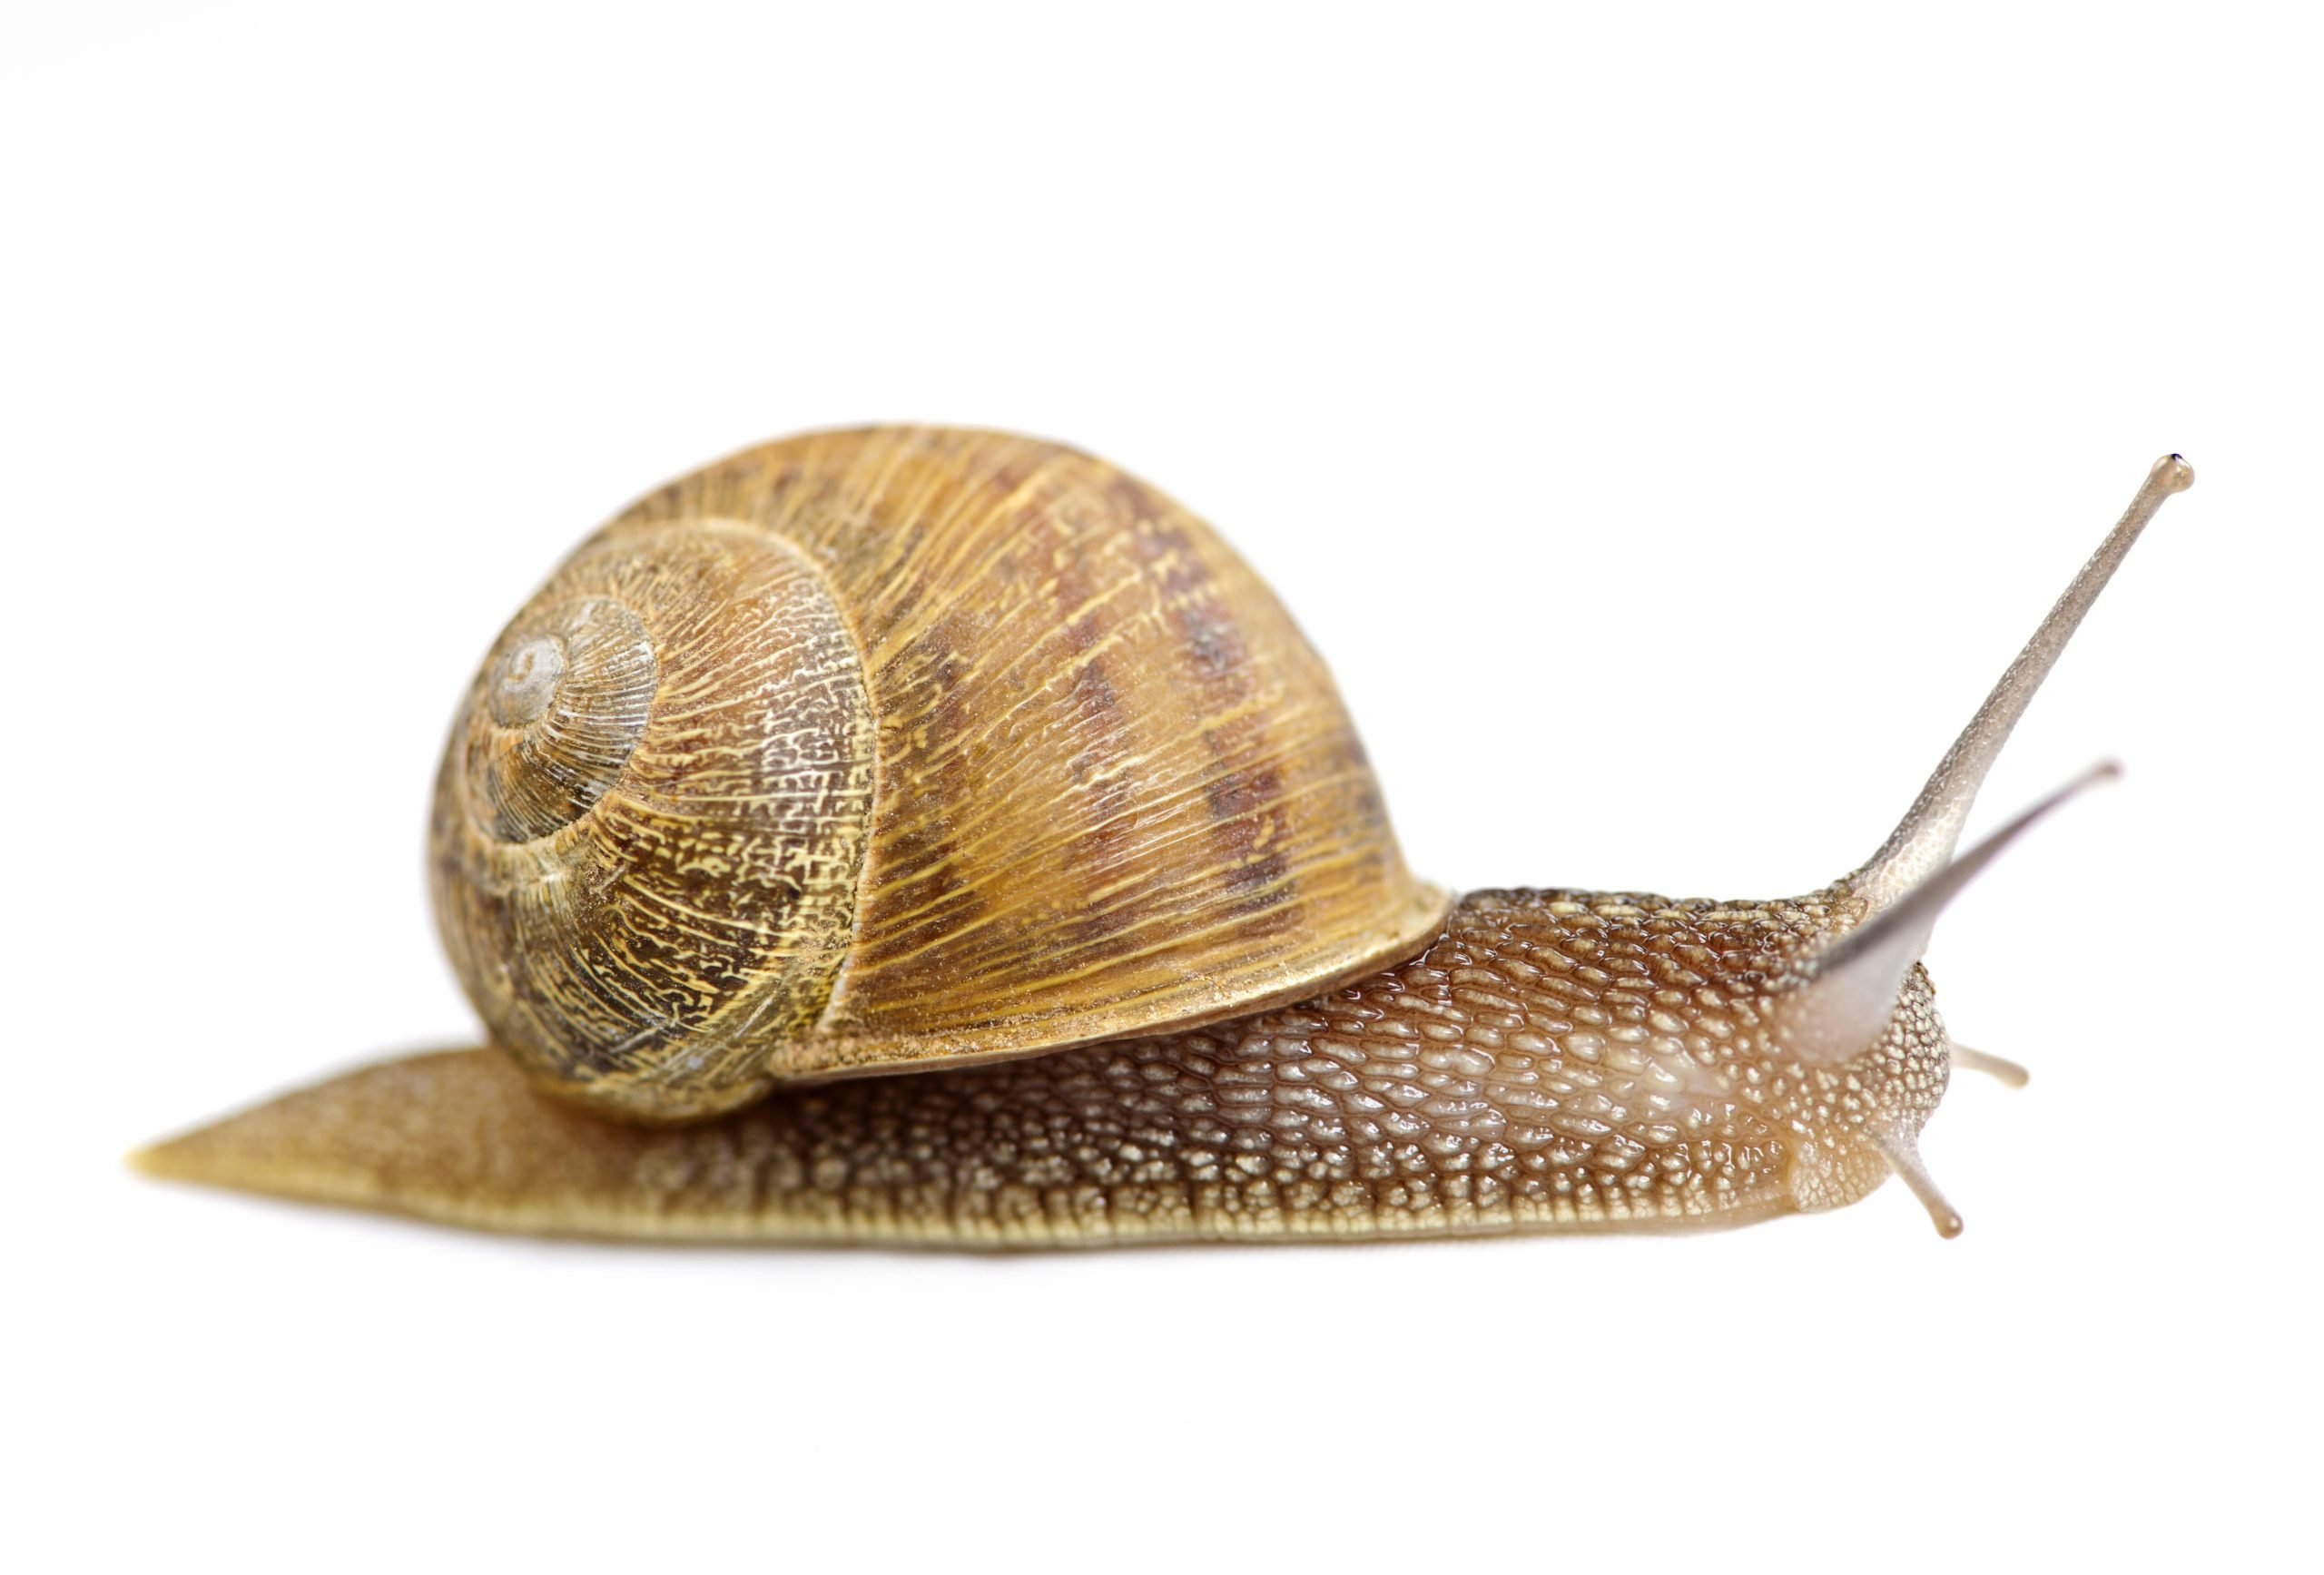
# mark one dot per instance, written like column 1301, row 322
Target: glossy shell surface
column 875, row 749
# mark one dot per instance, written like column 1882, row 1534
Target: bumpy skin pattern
column 1555, row 1060
column 900, row 745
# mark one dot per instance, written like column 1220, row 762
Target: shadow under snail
column 969, row 757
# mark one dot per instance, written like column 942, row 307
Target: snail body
column 1495, row 1082
column 968, row 758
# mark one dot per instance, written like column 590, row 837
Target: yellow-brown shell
column 876, row 749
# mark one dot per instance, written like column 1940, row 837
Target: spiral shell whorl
column 564, row 709
column 649, row 828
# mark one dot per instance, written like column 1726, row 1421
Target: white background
column 1757, row 377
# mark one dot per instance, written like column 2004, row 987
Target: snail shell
column 875, row 749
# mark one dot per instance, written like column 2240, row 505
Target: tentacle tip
column 2171, row 473
column 2009, row 1073
column 1904, row 1157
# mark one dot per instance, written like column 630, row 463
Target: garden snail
column 970, row 758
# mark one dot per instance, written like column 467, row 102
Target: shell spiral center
column 567, row 699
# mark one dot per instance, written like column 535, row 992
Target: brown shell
column 875, row 749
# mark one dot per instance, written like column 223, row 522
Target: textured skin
column 954, row 746
column 1553, row 1061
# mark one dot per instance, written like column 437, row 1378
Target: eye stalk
column 1925, row 839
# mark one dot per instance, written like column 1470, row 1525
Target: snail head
column 1854, row 1006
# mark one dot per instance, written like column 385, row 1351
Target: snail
column 924, row 836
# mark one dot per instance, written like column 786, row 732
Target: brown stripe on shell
column 1245, row 785
column 1102, row 766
